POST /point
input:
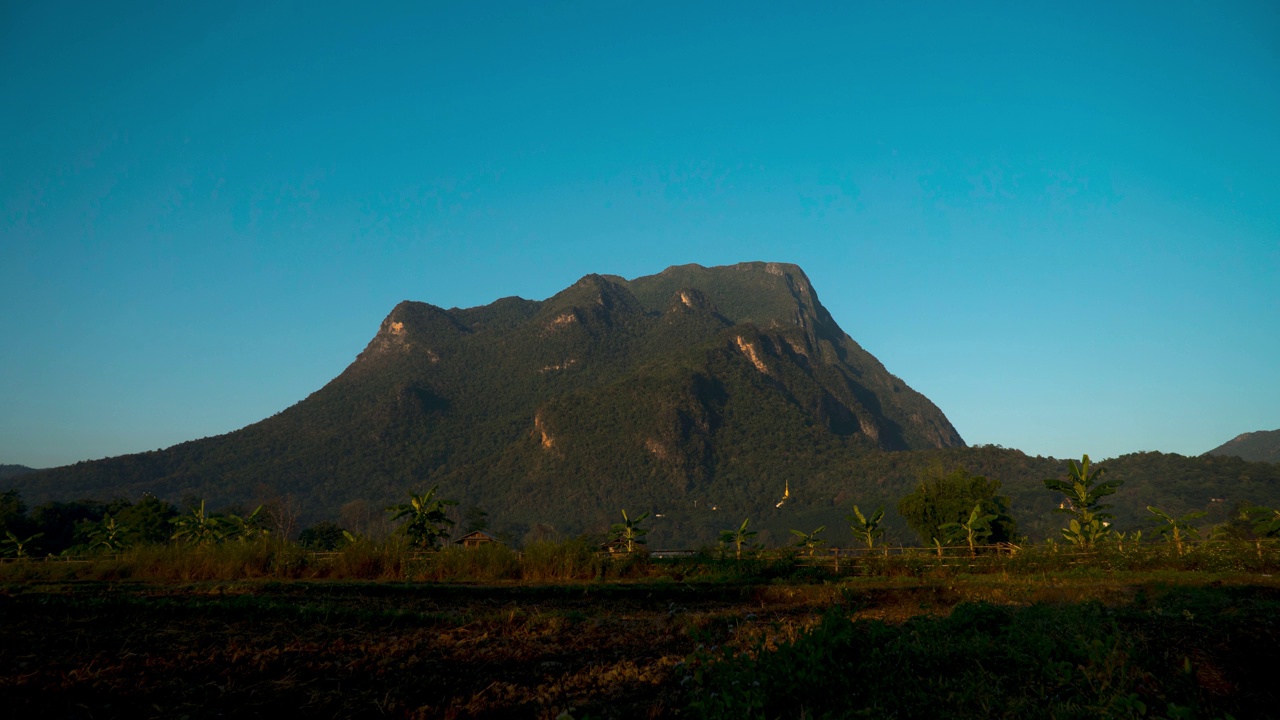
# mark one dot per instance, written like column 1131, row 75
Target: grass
column 1204, row 652
column 578, row 560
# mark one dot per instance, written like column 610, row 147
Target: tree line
column 956, row 507
column 946, row 508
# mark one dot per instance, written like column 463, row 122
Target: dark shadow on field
column 336, row 649
column 360, row 649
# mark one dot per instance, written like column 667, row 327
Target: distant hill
column 11, row 471
column 1260, row 446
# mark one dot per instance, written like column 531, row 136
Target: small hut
column 476, row 539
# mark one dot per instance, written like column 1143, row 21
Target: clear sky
column 1060, row 222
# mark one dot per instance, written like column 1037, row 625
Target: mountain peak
column 763, row 293
column 413, row 326
column 593, row 299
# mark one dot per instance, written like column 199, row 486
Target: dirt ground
column 98, row 650
column 328, row 649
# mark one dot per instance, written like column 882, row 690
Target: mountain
column 1260, row 446
column 697, row 386
column 10, row 471
column 700, row 395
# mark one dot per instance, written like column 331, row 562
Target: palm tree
column 426, row 523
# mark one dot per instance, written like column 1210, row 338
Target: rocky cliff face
column 779, row 301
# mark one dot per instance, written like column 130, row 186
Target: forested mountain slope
column 1260, row 446
column 8, row 471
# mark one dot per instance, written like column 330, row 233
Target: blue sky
column 1061, row 224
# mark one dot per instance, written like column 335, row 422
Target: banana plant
column 108, row 535
column 198, row 527
column 1083, row 503
column 1134, row 537
column 425, row 521
column 1175, row 527
column 247, row 529
column 1266, row 524
column 737, row 538
column 1266, row 521
column 809, row 540
column 864, row 529
column 628, row 532
column 19, row 548
column 974, row 530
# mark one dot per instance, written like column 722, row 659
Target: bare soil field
column 93, row 649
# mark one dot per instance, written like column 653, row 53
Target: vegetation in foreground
column 580, row 560
column 957, row 512
column 1182, row 653
column 169, row 613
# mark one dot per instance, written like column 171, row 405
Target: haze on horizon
column 1058, row 224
